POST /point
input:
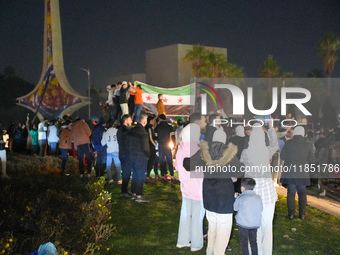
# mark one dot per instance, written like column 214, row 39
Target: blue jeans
column 165, row 156
column 63, row 159
column 138, row 109
column 53, row 148
column 84, row 149
column 190, row 223
column 100, row 162
column 138, row 167
column 35, row 149
column 126, row 172
column 42, row 145
column 109, row 157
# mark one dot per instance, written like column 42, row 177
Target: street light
column 89, row 87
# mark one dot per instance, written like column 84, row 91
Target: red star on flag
column 165, row 100
column 148, row 98
column 180, row 100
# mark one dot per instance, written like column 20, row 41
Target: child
column 248, row 218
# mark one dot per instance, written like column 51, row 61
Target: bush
column 38, row 205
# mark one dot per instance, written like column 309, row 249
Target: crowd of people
column 137, row 144
column 112, row 142
column 253, row 148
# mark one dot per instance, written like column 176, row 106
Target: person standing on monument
column 117, row 111
column 110, row 89
column 160, row 105
column 138, row 92
column 124, row 98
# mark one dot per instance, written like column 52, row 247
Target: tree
column 206, row 63
column 269, row 69
column 197, row 56
column 316, row 73
column 216, row 65
column 328, row 51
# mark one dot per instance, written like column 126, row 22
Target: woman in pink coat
column 190, row 232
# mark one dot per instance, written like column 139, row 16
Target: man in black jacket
column 211, row 128
column 117, row 111
column 163, row 132
column 139, row 152
column 124, row 97
column 297, row 154
column 124, row 153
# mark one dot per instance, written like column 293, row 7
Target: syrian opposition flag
column 176, row 100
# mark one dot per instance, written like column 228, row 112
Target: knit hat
column 191, row 133
column 124, row 82
column 299, row 131
column 239, row 131
column 219, row 136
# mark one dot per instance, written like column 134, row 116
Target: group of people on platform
column 126, row 98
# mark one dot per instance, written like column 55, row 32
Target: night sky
column 111, row 37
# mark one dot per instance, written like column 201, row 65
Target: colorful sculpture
column 53, row 96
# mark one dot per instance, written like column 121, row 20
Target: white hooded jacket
column 110, row 140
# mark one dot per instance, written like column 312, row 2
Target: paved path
column 325, row 204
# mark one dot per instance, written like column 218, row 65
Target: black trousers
column 84, row 149
column 245, row 236
column 152, row 162
column 126, row 172
column 291, row 191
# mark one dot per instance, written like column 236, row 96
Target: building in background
column 165, row 66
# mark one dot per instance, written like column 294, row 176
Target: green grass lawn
column 151, row 228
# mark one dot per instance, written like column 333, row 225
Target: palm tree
column 216, row 63
column 269, row 69
column 328, row 51
column 206, row 63
column 197, row 56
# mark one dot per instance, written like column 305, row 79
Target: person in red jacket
column 138, row 100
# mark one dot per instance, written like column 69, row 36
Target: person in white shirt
column 53, row 138
column 42, row 128
column 110, row 89
column 110, row 140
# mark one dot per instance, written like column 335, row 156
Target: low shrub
column 38, row 205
